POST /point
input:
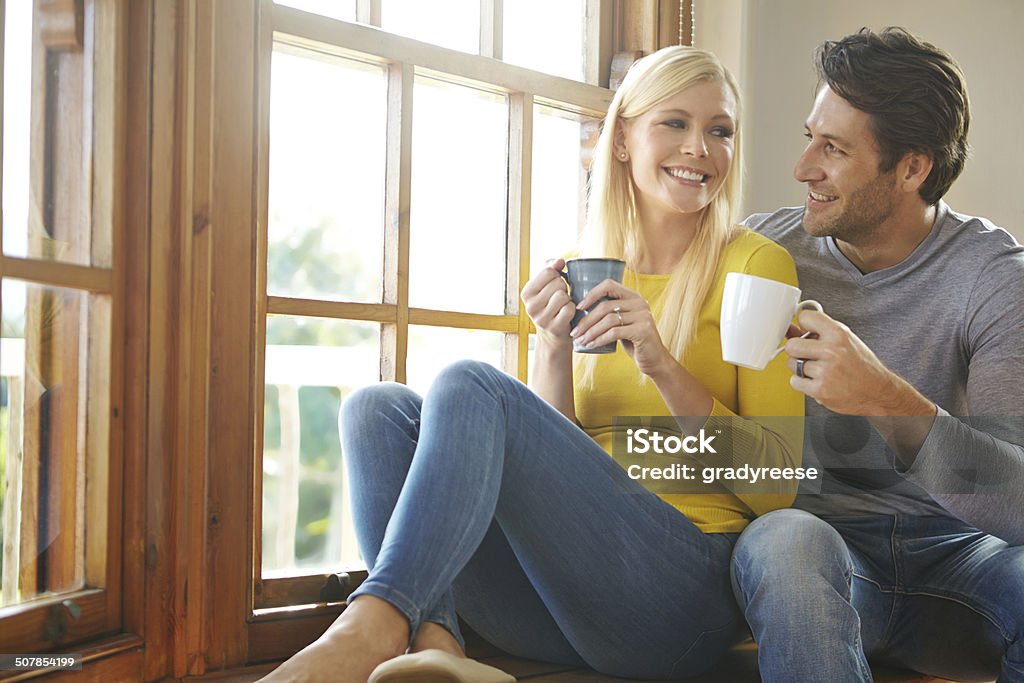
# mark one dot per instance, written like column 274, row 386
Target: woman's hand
column 626, row 317
column 547, row 302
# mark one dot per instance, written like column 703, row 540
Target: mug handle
column 809, row 305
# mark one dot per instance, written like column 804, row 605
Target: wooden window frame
column 290, row 612
column 184, row 129
column 77, row 55
column 279, row 602
column 188, row 128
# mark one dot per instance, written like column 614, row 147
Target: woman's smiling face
column 680, row 151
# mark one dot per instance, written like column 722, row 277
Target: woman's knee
column 375, row 410
column 385, row 400
column 468, row 372
column 466, row 378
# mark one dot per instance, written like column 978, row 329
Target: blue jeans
column 822, row 596
column 484, row 499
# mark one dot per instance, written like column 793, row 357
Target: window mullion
column 264, row 60
column 397, row 203
column 10, row 556
column 3, row 31
column 368, row 12
column 598, row 50
column 12, row 493
column 520, row 162
column 491, row 29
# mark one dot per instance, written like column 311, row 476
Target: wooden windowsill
column 738, row 666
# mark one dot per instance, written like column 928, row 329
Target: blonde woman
column 501, row 503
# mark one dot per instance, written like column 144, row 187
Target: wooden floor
column 738, row 666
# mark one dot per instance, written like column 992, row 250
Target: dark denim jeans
column 822, row 596
column 484, row 498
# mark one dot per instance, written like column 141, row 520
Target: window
column 61, row 341
column 190, row 286
column 405, row 171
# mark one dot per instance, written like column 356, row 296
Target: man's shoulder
column 978, row 237
column 778, row 225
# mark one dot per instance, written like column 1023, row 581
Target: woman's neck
column 663, row 241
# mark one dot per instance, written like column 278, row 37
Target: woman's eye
column 676, row 123
column 723, row 132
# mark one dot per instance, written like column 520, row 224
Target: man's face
column 848, row 198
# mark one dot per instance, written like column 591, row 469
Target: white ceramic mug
column 756, row 313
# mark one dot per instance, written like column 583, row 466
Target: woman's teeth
column 685, row 174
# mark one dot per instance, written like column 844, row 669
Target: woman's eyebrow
column 683, row 112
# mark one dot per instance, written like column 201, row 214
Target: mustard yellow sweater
column 771, row 435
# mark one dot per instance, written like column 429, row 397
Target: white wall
column 770, row 45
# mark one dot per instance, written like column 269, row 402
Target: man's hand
column 841, row 373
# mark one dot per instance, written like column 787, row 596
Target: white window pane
column 54, row 413
column 558, row 190
column 431, row 349
column 545, row 36
column 17, row 100
column 51, row 220
column 312, row 365
column 335, row 9
column 531, row 346
column 326, row 196
column 449, row 23
column 457, row 222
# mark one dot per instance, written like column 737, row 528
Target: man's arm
column 975, row 475
column 841, row 373
column 975, row 470
column 974, row 467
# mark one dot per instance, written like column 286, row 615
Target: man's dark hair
column 915, row 94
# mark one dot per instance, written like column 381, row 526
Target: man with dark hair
column 910, row 552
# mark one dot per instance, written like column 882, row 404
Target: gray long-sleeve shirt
column 950, row 320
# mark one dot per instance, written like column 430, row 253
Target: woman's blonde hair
column 613, row 228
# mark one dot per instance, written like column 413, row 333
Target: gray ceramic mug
column 583, row 274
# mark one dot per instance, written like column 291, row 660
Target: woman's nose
column 695, row 145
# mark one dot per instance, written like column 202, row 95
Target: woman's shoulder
column 752, row 252
column 747, row 243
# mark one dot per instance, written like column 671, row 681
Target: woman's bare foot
column 368, row 632
column 433, row 636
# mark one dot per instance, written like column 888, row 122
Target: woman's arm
column 551, row 378
column 767, row 427
column 547, row 302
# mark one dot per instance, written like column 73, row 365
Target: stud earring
column 622, row 155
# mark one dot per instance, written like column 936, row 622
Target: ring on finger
column 618, row 314
column 800, row 368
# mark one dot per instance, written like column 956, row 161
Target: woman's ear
column 619, row 141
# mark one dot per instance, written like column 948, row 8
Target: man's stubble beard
column 867, row 208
